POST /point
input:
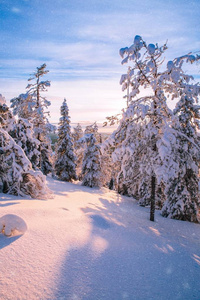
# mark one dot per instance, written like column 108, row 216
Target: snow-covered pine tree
column 149, row 113
column 109, row 169
column 183, row 190
column 91, row 169
column 131, row 150
column 79, row 148
column 4, row 112
column 111, row 151
column 16, row 174
column 23, row 135
column 23, row 106
column 21, row 130
column 93, row 129
column 77, row 134
column 124, row 140
column 7, row 120
column 41, row 125
column 158, row 160
column 65, row 166
column 2, row 99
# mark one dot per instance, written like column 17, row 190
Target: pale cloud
column 16, row 10
column 156, row 25
column 67, row 60
column 119, row 27
column 79, row 53
column 19, row 63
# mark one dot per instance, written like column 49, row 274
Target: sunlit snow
column 95, row 244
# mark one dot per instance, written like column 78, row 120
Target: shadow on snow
column 6, row 241
column 60, row 187
column 126, row 257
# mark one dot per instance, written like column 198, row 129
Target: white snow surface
column 97, row 245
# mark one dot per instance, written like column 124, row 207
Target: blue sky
column 80, row 41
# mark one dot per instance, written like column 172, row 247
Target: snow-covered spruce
column 23, row 106
column 65, row 166
column 7, row 120
column 16, row 174
column 2, row 99
column 21, row 130
column 93, row 129
column 108, row 167
column 79, row 148
column 23, row 135
column 183, row 194
column 148, row 131
column 91, row 169
column 77, row 134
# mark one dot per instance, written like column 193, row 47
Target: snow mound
column 12, row 225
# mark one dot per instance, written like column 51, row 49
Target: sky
column 79, row 40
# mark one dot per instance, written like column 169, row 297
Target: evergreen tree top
column 41, row 85
column 40, row 72
column 64, row 111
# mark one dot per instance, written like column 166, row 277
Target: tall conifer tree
column 91, row 169
column 41, row 125
column 79, row 147
column 65, row 166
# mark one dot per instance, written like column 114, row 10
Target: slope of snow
column 95, row 244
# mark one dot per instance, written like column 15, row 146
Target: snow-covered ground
column 95, row 244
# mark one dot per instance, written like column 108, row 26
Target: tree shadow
column 14, row 199
column 62, row 188
column 8, row 200
column 88, row 271
column 9, row 204
column 120, row 260
column 100, row 222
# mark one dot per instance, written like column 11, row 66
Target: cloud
column 69, row 60
column 16, row 10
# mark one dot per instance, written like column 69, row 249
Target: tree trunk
column 153, row 191
column 153, row 194
column 153, row 177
